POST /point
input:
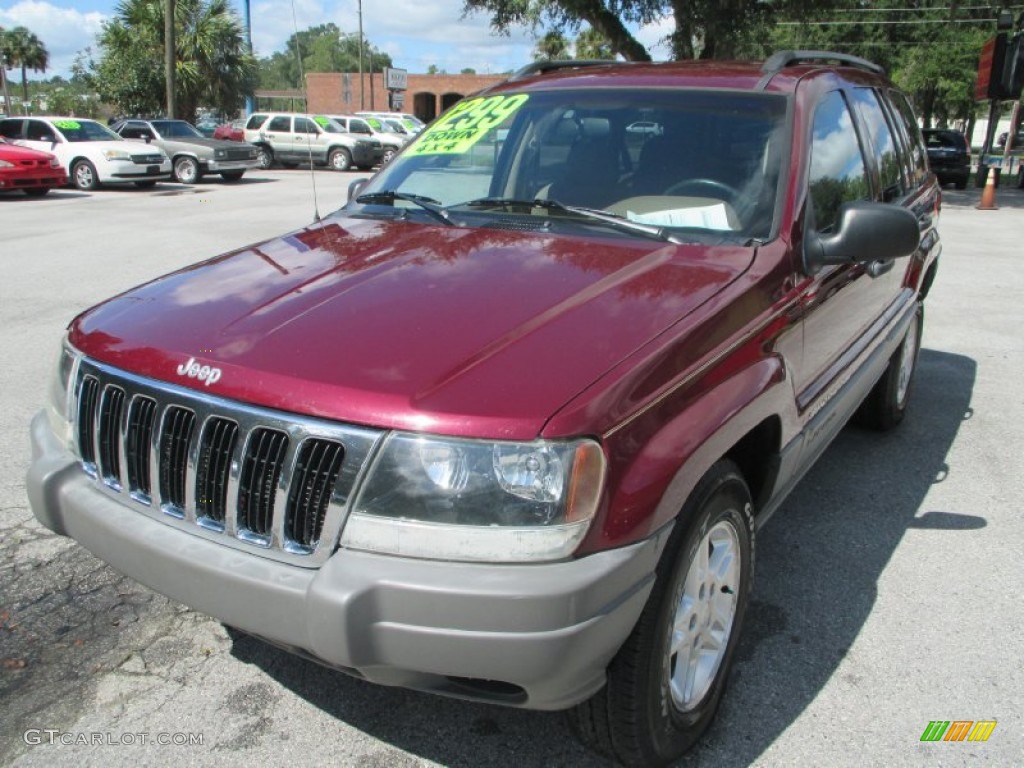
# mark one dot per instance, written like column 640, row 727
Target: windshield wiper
column 428, row 204
column 613, row 220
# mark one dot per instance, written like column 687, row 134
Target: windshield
column 176, row 129
column 672, row 159
column 328, row 125
column 84, row 130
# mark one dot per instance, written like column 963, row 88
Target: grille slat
column 175, row 439
column 267, row 482
column 261, row 472
column 88, row 397
column 111, row 410
column 215, row 451
column 316, row 472
column 138, row 440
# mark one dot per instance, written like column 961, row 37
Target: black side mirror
column 865, row 231
column 148, row 138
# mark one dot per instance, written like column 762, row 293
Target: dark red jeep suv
column 504, row 426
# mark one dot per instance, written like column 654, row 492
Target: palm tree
column 21, row 48
column 552, row 47
column 213, row 66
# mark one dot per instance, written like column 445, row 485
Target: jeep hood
column 482, row 332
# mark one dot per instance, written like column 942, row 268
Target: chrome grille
column 265, row 481
column 147, row 159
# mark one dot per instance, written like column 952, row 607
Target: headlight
column 116, row 154
column 5, row 164
column 477, row 500
column 220, row 154
column 58, row 407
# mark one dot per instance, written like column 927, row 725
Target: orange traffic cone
column 988, row 195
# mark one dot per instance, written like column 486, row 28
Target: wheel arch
column 743, row 418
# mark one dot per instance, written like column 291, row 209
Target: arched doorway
column 424, row 106
column 449, row 99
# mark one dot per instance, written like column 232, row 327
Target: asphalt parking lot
column 887, row 589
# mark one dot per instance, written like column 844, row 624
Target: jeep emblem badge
column 205, row 373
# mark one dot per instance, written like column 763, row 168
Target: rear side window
column 280, row 123
column 10, row 129
column 837, row 165
column 37, row 130
column 886, row 156
column 255, row 121
column 915, row 143
column 304, row 125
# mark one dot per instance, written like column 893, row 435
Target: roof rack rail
column 782, row 59
column 543, row 67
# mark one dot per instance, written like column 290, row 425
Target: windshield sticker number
column 466, row 124
column 68, row 125
column 321, row 121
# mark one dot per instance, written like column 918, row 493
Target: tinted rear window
column 945, row 139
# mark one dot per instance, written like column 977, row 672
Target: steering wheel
column 715, row 187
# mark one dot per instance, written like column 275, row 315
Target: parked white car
column 91, row 153
column 390, row 140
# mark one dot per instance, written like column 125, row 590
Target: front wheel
column 83, row 176
column 186, row 170
column 265, row 157
column 339, row 159
column 886, row 404
column 665, row 682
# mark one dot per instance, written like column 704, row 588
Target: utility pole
column 250, row 102
column 362, row 89
column 169, row 58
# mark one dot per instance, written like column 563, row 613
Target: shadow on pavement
column 820, row 556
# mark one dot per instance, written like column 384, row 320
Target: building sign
column 396, row 79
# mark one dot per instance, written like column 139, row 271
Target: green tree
column 212, row 69
column 591, row 44
column 323, row 48
column 19, row 47
column 551, row 47
column 704, row 29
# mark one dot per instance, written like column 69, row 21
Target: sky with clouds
column 416, row 33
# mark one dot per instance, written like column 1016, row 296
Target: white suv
column 291, row 139
column 91, row 153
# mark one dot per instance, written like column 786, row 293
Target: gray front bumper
column 536, row 636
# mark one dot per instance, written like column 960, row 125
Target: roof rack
column 543, row 67
column 782, row 59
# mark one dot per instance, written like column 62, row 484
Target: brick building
column 427, row 95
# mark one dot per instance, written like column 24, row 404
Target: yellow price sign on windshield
column 466, row 124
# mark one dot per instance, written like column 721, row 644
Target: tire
column 186, row 170
column 145, row 184
column 886, row 404
column 654, row 707
column 388, row 154
column 339, row 159
column 232, row 175
column 36, row 191
column 83, row 176
column 265, row 157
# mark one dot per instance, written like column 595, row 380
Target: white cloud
column 64, row 31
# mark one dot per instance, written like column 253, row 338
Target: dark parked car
column 504, row 426
column 948, row 155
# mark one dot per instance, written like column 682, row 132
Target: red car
column 233, row 131
column 504, row 426
column 34, row 173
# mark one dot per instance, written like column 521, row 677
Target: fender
column 690, row 435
